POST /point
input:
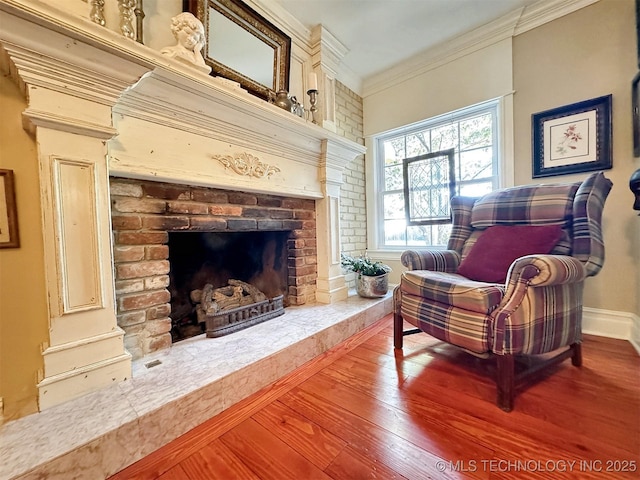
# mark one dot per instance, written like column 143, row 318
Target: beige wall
column 584, row 55
column 23, row 306
column 473, row 78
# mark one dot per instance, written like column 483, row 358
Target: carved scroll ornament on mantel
column 247, row 164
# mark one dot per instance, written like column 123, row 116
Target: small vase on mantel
column 283, row 100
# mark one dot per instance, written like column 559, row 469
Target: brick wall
column 353, row 213
column 144, row 212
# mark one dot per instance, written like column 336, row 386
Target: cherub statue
column 189, row 34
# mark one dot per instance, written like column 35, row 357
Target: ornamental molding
column 247, row 165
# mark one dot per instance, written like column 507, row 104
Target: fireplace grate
column 229, row 321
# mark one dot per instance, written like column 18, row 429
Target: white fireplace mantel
column 170, row 126
column 100, row 104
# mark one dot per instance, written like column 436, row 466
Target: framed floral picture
column 572, row 139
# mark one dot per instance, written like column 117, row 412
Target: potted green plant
column 372, row 279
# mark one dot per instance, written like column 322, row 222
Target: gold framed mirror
column 243, row 46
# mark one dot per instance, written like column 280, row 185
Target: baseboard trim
column 612, row 324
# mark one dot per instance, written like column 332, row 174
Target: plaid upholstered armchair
column 510, row 282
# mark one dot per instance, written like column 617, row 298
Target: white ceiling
column 381, row 33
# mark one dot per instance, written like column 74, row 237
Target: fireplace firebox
column 228, row 264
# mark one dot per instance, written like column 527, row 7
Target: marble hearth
column 101, row 433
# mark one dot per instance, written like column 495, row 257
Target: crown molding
column 507, row 26
column 475, row 40
column 547, row 10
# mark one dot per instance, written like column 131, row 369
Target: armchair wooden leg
column 505, row 380
column 398, row 334
column 576, row 357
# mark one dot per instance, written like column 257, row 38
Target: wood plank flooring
column 366, row 411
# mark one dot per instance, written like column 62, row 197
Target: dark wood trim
column 398, row 334
column 576, row 358
column 505, row 381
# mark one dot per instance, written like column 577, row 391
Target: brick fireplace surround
column 143, row 213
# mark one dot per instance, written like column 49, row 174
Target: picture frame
column 573, row 138
column 635, row 112
column 9, row 237
column 243, row 46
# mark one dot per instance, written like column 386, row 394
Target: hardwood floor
column 363, row 410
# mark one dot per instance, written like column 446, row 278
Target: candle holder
column 139, row 13
column 313, row 100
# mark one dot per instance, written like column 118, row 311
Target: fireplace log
column 255, row 294
column 206, row 302
column 227, row 297
column 196, row 296
column 214, row 300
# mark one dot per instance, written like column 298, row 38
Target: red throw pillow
column 497, row 247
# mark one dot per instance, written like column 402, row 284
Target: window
column 472, row 133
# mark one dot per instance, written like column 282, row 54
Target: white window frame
column 503, row 146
